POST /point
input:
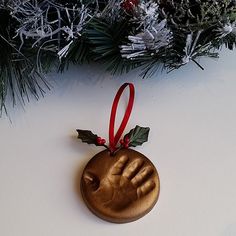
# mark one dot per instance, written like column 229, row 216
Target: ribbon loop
column 113, row 139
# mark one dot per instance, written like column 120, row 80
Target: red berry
column 126, row 145
column 99, row 140
column 122, row 141
column 128, row 5
column 127, row 140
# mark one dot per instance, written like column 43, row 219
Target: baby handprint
column 125, row 182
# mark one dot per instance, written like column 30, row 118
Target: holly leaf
column 87, row 136
column 138, row 136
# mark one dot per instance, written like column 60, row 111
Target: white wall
column 192, row 116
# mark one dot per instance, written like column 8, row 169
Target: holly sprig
column 136, row 137
column 87, row 136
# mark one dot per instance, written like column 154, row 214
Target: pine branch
column 18, row 76
column 105, row 39
column 37, row 36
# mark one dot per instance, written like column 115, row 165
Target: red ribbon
column 113, row 139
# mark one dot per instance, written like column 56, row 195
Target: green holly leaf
column 138, row 136
column 87, row 136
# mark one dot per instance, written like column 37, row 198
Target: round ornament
column 120, row 188
column 119, row 184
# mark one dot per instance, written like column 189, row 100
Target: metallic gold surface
column 120, row 188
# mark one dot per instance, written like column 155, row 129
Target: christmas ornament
column 37, row 35
column 119, row 184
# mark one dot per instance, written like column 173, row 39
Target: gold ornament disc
column 120, row 188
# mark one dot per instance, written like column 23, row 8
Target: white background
column 192, row 116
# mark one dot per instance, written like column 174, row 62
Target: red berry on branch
column 127, row 140
column 122, row 141
column 100, row 141
column 128, row 5
column 103, row 141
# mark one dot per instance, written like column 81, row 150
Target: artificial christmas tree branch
column 36, row 35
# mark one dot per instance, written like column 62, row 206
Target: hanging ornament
column 119, row 184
